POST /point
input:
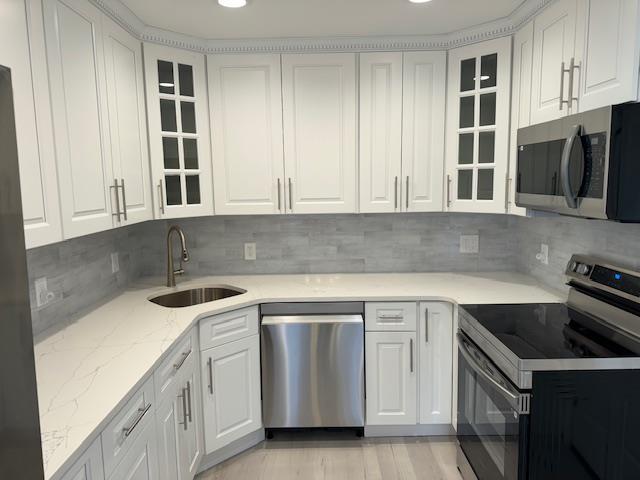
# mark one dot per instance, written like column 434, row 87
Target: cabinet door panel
column 167, row 418
column 424, row 92
column 22, row 49
column 391, row 378
column 231, row 396
column 380, row 131
column 319, row 104
column 128, row 122
column 554, row 43
column 435, row 337
column 612, row 45
column 89, row 466
column 140, row 462
column 191, row 437
column 246, row 112
column 76, row 64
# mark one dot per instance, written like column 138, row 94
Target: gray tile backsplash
column 617, row 242
column 79, row 270
column 79, row 274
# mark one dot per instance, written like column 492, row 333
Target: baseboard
column 408, row 430
column 231, row 450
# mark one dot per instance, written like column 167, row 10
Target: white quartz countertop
column 87, row 368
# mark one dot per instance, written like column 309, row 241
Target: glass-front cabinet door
column 178, row 132
column 478, row 127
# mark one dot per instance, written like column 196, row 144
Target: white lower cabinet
column 140, row 462
column 88, row 466
column 391, row 378
column 231, row 391
column 435, row 365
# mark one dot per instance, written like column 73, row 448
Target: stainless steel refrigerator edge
column 20, row 443
column 313, row 365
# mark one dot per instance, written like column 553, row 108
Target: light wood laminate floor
column 304, row 456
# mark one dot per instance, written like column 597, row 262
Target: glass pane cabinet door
column 178, row 137
column 477, row 132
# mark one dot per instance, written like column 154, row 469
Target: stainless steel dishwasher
column 312, row 365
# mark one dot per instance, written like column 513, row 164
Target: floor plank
column 340, row 456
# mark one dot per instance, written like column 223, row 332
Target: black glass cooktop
column 552, row 331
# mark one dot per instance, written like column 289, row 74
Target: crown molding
column 120, row 13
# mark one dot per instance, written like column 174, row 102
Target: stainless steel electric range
column 552, row 391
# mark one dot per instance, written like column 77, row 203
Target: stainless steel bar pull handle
column 116, row 187
column 570, row 195
column 407, row 195
column 395, row 193
column 141, row 413
column 279, row 197
column 448, row 190
column 426, row 325
column 290, row 195
column 572, row 68
column 161, row 196
column 411, row 355
column 183, row 396
column 189, row 415
column 210, row 368
column 124, row 199
column 507, row 194
column 183, row 358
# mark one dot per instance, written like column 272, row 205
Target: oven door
column 493, row 418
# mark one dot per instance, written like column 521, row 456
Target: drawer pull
column 189, row 416
column 183, row 396
column 183, row 358
column 141, row 413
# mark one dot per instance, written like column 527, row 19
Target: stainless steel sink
column 196, row 296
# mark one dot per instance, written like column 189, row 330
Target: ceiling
column 316, row 18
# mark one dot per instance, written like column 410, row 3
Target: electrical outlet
column 115, row 263
column 249, row 251
column 543, row 255
column 469, row 243
column 43, row 295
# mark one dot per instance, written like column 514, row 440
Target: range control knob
column 583, row 269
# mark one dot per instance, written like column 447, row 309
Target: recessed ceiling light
column 232, row 3
column 419, row 1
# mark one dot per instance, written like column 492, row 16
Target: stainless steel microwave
column 585, row 165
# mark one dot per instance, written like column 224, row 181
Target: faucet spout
column 171, row 271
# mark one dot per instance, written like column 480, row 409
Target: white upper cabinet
column 22, row 49
column 178, row 125
column 423, row 127
column 478, row 126
column 520, row 105
column 128, row 126
column 77, row 82
column 380, row 131
column 319, row 107
column 246, row 134
column 553, row 55
column 435, row 340
column 610, row 62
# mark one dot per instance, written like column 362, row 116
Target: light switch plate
column 115, row 264
column 543, row 255
column 43, row 295
column 249, row 251
column 469, row 243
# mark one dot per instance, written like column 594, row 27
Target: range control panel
column 597, row 274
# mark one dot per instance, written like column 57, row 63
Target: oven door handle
column 477, row 367
column 565, row 164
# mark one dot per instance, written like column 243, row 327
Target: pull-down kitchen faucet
column 171, row 273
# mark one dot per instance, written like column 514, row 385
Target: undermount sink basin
column 195, row 296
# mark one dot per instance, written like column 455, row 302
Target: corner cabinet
column 402, row 104
column 319, row 116
column 245, row 102
column 478, row 127
column 178, row 126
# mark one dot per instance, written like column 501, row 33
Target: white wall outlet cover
column 43, row 295
column 469, row 243
column 543, row 255
column 115, row 263
column 249, row 251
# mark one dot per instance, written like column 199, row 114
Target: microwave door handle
column 565, row 164
column 464, row 350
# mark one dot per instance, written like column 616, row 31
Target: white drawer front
column 165, row 374
column 228, row 327
column 123, row 430
column 390, row 316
